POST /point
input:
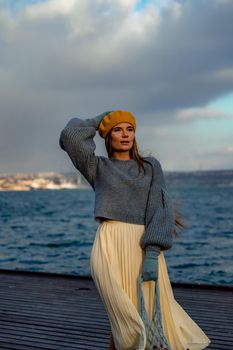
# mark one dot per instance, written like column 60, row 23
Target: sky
column 169, row 62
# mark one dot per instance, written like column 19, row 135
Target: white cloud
column 224, row 74
column 226, row 151
column 50, row 8
column 229, row 149
column 191, row 114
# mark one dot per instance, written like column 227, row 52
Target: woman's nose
column 125, row 133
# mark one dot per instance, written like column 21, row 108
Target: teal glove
column 150, row 265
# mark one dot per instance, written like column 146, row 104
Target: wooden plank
column 50, row 311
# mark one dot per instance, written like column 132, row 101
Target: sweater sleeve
column 160, row 218
column 77, row 140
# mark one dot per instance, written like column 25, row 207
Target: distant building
column 47, row 181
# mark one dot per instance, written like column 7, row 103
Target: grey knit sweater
column 121, row 191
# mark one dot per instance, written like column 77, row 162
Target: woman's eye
column 130, row 129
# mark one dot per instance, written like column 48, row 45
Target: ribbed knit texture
column 121, row 192
column 160, row 218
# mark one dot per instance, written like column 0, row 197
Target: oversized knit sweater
column 121, row 191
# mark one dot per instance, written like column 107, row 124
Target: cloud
column 217, row 158
column 68, row 57
column 191, row 114
column 224, row 151
column 224, row 74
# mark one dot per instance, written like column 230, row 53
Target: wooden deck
column 41, row 311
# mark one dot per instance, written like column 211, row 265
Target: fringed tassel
column 154, row 329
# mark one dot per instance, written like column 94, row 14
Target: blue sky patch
column 15, row 5
column 141, row 4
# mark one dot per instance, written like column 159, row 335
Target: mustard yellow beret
column 114, row 118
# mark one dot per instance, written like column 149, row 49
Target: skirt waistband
column 117, row 222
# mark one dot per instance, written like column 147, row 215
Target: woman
column 137, row 223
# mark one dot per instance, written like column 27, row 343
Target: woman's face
column 122, row 137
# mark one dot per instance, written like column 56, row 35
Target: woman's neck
column 121, row 155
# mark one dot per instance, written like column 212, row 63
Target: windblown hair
column 134, row 154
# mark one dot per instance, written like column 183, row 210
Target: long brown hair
column 134, row 154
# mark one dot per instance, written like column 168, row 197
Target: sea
column 54, row 230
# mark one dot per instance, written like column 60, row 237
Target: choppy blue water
column 53, row 231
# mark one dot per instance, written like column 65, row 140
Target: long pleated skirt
column 115, row 263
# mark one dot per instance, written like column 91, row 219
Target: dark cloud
column 58, row 62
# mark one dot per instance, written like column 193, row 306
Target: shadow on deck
column 41, row 311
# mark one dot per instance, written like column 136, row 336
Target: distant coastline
column 42, row 180
column 57, row 181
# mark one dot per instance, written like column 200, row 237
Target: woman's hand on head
column 99, row 118
column 102, row 115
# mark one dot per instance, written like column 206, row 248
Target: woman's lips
column 125, row 142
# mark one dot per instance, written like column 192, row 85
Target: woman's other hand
column 150, row 265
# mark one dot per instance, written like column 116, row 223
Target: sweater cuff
column 153, row 247
column 97, row 120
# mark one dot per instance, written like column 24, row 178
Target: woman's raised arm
column 77, row 140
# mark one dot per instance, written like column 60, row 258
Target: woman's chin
column 124, row 149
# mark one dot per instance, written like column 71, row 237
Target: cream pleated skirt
column 115, row 263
